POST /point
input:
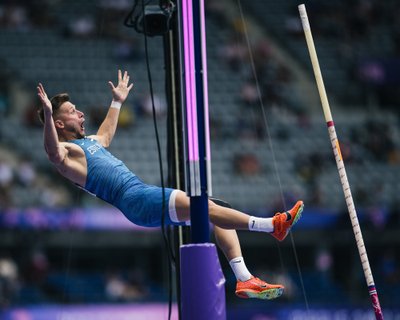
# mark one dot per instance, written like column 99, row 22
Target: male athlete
column 85, row 161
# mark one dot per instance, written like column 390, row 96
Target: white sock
column 239, row 269
column 261, row 224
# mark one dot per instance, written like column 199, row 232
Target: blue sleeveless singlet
column 109, row 179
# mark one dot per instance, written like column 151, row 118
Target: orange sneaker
column 284, row 221
column 256, row 288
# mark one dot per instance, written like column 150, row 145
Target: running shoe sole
column 298, row 215
column 268, row 294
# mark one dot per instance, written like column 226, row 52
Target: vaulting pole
column 340, row 164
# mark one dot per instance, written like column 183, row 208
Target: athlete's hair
column 56, row 103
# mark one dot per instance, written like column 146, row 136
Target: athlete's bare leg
column 220, row 216
column 228, row 242
column 225, row 220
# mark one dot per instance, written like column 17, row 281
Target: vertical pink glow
column 205, row 82
column 190, row 82
column 187, row 86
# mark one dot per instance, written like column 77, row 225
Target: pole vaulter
column 340, row 165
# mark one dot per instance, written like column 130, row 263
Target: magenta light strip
column 205, row 96
column 187, row 86
column 190, row 83
column 192, row 75
column 191, row 99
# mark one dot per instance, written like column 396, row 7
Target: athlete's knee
column 212, row 207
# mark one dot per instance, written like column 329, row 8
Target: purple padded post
column 202, row 293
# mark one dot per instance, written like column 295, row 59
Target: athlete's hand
column 121, row 91
column 45, row 100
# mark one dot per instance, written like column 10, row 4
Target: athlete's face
column 70, row 121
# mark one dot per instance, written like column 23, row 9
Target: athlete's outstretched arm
column 120, row 92
column 55, row 151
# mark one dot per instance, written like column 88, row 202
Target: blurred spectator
column 6, row 180
column 6, row 174
column 262, row 53
column 233, row 53
column 127, row 48
column 37, row 267
column 120, row 289
column 146, row 105
column 25, row 173
column 9, row 282
column 247, row 164
column 249, row 94
column 324, row 262
column 377, row 217
column 371, row 72
column 15, row 16
column 82, row 27
column 52, row 196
